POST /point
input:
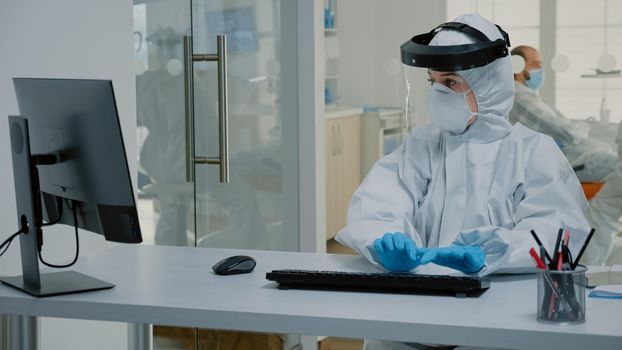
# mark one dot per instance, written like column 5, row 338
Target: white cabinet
column 382, row 132
column 343, row 168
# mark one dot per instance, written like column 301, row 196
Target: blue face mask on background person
column 449, row 109
column 536, row 79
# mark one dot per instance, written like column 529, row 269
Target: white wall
column 65, row 39
column 356, row 26
column 396, row 22
column 370, row 35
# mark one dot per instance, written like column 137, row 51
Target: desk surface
column 175, row 286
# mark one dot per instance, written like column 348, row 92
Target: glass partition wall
column 212, row 106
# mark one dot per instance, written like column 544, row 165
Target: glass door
column 216, row 90
column 165, row 196
column 249, row 199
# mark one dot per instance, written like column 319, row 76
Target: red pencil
column 536, row 258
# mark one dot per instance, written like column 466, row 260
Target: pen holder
column 561, row 296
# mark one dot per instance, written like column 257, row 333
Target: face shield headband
column 417, row 52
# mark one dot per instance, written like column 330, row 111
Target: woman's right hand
column 397, row 253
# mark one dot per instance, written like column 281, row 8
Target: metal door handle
column 223, row 111
column 189, row 108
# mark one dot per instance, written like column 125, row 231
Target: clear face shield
column 429, row 68
column 426, row 86
column 416, row 87
column 409, row 97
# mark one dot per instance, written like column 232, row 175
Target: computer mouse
column 234, row 265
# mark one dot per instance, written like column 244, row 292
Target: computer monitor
column 68, row 159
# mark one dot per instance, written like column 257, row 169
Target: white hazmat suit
column 599, row 164
column 488, row 186
column 597, row 161
column 605, row 214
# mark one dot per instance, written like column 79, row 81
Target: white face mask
column 449, row 109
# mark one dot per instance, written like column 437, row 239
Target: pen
column 556, row 250
column 544, row 256
column 566, row 256
column 551, row 284
column 565, row 250
column 537, row 239
column 587, row 240
column 566, row 265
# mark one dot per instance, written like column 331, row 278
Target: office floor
column 174, row 338
column 334, row 247
column 341, row 344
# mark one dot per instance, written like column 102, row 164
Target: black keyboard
column 379, row 282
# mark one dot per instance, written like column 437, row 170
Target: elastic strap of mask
column 464, row 94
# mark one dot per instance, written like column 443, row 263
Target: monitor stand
column 57, row 283
column 29, row 215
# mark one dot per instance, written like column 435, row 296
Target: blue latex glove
column 468, row 259
column 397, row 252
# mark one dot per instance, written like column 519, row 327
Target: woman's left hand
column 468, row 259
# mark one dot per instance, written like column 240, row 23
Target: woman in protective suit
column 465, row 191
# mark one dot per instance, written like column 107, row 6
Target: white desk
column 175, row 286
